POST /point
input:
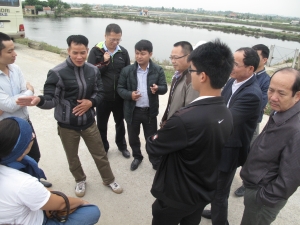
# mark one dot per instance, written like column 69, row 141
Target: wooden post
column 270, row 55
column 295, row 58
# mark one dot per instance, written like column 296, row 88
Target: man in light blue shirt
column 13, row 86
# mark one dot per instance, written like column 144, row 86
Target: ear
column 265, row 60
column 87, row 50
column 297, row 96
column 150, row 54
column 203, row 77
column 69, row 51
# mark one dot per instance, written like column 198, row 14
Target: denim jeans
column 84, row 215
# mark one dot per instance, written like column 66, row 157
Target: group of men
column 205, row 132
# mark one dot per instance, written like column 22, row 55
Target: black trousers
column 219, row 205
column 141, row 116
column 165, row 215
column 103, row 112
column 35, row 150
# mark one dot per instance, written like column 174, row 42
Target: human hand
column 135, row 95
column 154, row 88
column 28, row 100
column 29, row 87
column 84, row 202
column 106, row 56
column 82, row 107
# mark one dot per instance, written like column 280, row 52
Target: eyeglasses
column 114, row 40
column 175, row 57
column 190, row 70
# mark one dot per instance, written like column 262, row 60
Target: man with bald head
column 270, row 173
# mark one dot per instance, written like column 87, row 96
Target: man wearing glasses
column 182, row 92
column 243, row 97
column 111, row 58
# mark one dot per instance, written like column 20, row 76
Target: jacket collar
column 281, row 117
column 207, row 101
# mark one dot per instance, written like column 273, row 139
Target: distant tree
column 66, row 5
column 52, row 3
column 31, row 2
column 163, row 8
column 173, row 9
column 38, row 8
column 86, row 9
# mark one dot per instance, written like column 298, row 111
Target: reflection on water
column 163, row 36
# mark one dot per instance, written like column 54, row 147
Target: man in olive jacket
column 139, row 86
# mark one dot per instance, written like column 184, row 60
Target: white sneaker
column 80, row 189
column 115, row 187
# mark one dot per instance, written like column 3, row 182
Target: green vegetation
column 45, row 46
column 57, row 6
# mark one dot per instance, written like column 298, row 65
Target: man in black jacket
column 111, row 58
column 139, row 86
column 191, row 142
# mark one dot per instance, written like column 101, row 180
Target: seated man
column 139, row 86
column 192, row 140
column 22, row 197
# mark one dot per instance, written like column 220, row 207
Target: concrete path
column 133, row 207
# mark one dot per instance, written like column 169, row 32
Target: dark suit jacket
column 245, row 106
column 191, row 145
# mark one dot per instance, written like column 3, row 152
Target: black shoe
column 206, row 214
column 125, row 153
column 240, row 191
column 46, row 184
column 135, row 164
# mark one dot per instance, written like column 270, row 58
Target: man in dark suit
column 191, row 142
column 243, row 97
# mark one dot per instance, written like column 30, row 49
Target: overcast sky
column 279, row 7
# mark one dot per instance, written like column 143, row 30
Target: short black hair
column 296, row 84
column 3, row 37
column 187, row 48
column 215, row 59
column 9, row 134
column 251, row 57
column 113, row 28
column 78, row 40
column 264, row 50
column 144, row 45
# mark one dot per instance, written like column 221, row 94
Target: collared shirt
column 11, row 88
column 143, row 101
column 260, row 72
column 111, row 53
column 235, row 86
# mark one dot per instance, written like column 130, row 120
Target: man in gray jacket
column 182, row 92
column 74, row 88
column 270, row 173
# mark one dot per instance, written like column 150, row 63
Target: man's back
column 194, row 153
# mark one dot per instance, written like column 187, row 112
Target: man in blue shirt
column 264, row 81
column 139, row 86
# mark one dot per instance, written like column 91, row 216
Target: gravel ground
column 133, row 206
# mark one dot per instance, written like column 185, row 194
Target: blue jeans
column 84, row 215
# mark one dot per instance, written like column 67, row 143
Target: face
column 78, row 53
column 8, row 54
column 27, row 150
column 280, row 92
column 142, row 57
column 179, row 63
column 240, row 71
column 262, row 61
column 112, row 40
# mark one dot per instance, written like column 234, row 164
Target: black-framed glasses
column 175, row 57
column 190, row 70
